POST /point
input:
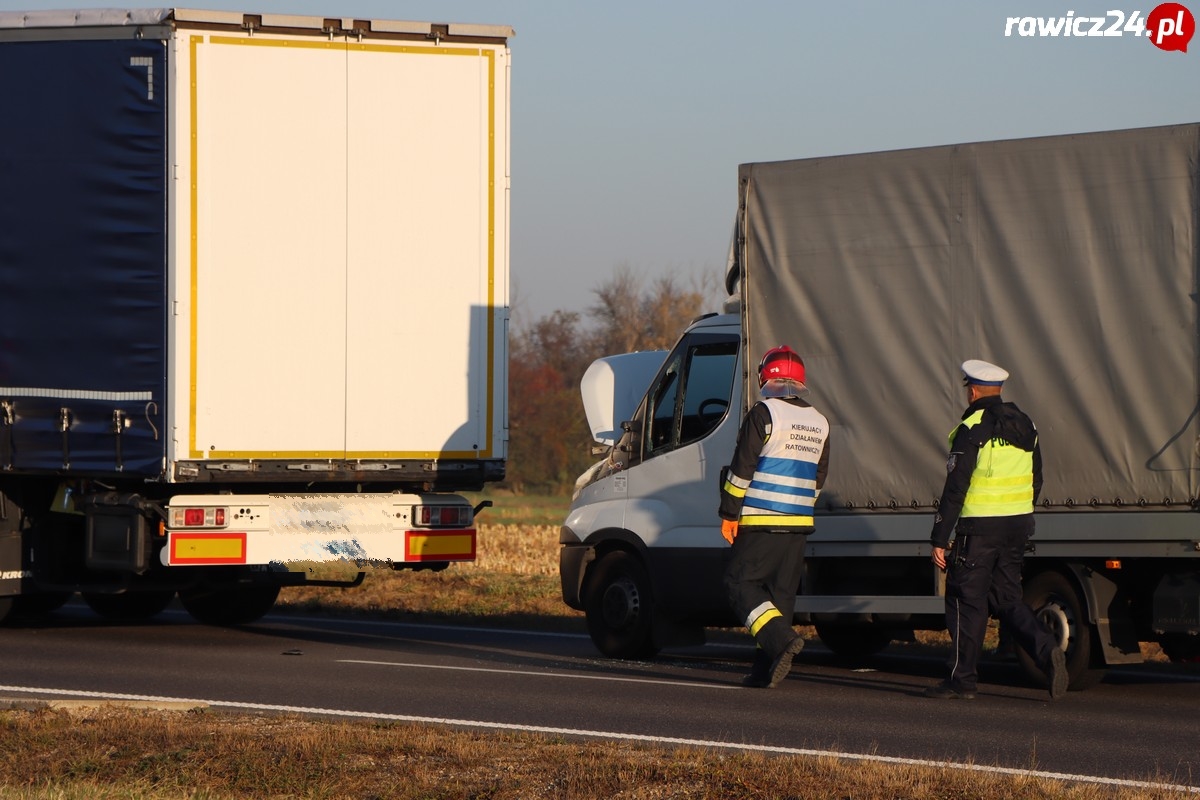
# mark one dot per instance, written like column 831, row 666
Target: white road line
column 336, row 622
column 631, row 737
column 536, row 674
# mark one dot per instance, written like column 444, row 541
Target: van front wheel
column 619, row 607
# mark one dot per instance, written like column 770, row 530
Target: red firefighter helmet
column 781, row 363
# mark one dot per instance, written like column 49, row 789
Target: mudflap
column 1176, row 606
column 15, row 573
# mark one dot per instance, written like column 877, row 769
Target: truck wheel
column 36, row 605
column 130, row 606
column 1057, row 603
column 618, row 607
column 229, row 605
column 853, row 641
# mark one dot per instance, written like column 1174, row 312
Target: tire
column 1057, row 602
column 129, row 606
column 619, row 606
column 226, row 606
column 853, row 641
column 40, row 604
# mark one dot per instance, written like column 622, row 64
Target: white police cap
column 983, row 373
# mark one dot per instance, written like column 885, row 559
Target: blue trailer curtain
column 83, row 254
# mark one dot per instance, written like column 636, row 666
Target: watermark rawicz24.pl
column 1170, row 26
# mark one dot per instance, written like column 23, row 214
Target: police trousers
column 984, row 570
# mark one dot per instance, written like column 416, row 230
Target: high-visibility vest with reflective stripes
column 783, row 489
column 1002, row 483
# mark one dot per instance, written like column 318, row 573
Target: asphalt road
column 1139, row 725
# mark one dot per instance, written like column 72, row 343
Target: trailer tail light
column 441, row 516
column 197, row 518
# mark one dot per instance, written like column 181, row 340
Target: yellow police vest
column 1002, row 483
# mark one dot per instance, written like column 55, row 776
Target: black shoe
column 760, row 676
column 782, row 664
column 1057, row 677
column 756, row 681
column 944, row 691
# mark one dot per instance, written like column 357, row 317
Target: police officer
column 767, row 499
column 994, row 476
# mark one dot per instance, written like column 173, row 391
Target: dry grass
column 108, row 753
column 518, row 549
column 513, row 582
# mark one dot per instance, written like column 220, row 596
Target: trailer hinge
column 64, row 427
column 224, row 466
column 7, row 416
column 120, row 423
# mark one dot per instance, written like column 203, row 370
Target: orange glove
column 729, row 529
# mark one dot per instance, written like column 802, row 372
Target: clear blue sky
column 629, row 118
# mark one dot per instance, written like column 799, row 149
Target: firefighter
column 767, row 500
column 993, row 478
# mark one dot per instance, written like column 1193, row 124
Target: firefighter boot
column 780, row 643
column 760, row 671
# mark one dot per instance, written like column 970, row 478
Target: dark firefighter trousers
column 766, row 566
column 984, row 570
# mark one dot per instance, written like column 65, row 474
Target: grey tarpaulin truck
column 253, row 301
column 1070, row 260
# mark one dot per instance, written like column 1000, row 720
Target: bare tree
column 616, row 313
column 549, row 442
column 629, row 317
column 547, row 427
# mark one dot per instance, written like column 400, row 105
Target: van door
column 687, row 434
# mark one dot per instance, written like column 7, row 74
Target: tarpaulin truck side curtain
column 1071, row 261
column 82, row 251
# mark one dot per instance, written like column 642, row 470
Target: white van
column 642, row 552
